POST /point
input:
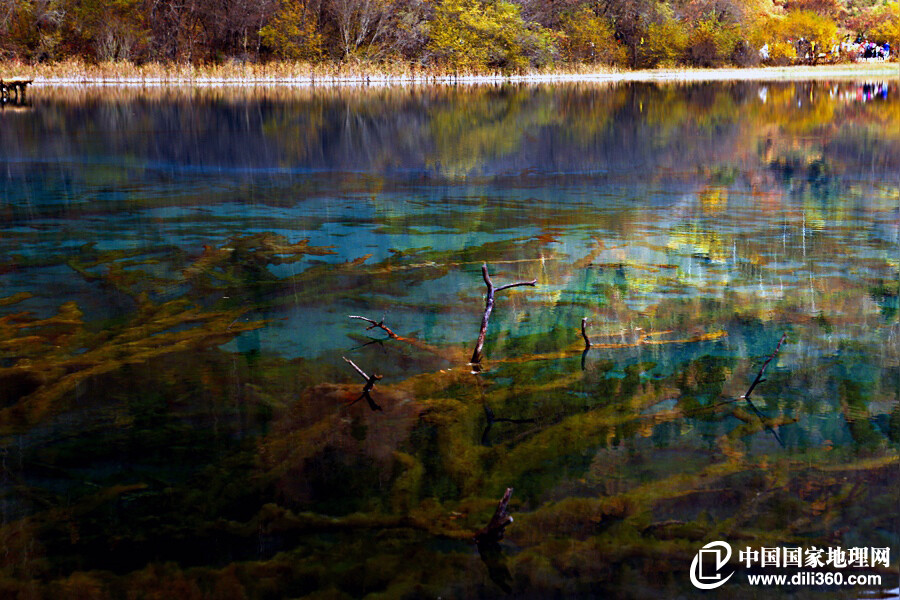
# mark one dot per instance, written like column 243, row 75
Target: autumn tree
column 631, row 20
column 720, row 11
column 176, row 30
column 232, row 26
column 665, row 43
column 409, row 34
column 31, row 28
column 293, row 33
column 471, row 35
column 711, row 43
column 817, row 31
column 827, row 8
column 111, row 29
column 878, row 22
column 360, row 24
column 887, row 26
column 589, row 38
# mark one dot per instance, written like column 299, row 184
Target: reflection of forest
column 660, row 130
column 157, row 441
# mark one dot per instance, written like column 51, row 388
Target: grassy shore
column 78, row 72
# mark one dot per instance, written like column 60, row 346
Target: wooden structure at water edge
column 13, row 89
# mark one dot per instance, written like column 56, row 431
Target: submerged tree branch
column 489, row 306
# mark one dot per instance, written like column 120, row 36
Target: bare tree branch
column 587, row 340
column 489, row 306
column 370, row 383
column 379, row 324
column 759, row 378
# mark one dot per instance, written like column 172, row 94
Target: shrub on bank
column 469, row 35
column 711, row 43
column 665, row 44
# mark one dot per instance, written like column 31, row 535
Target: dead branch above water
column 409, row 340
column 379, row 324
column 762, row 370
column 370, row 383
column 489, row 306
column 759, row 379
column 587, row 340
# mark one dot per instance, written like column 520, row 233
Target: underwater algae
column 318, row 462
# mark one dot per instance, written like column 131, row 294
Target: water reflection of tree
column 453, row 131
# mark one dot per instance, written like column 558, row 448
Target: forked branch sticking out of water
column 759, row 380
column 762, row 370
column 379, row 324
column 489, row 306
column 587, row 342
column 393, row 336
column 370, row 383
column 753, row 385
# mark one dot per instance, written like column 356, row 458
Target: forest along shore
column 299, row 74
column 511, row 36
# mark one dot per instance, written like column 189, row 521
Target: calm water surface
column 177, row 269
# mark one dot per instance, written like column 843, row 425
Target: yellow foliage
column 665, row 43
column 782, row 53
column 472, row 36
column 710, row 43
column 817, row 29
column 589, row 38
column 889, row 28
column 294, row 32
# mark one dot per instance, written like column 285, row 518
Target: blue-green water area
column 198, row 287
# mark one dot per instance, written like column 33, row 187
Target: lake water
column 178, row 418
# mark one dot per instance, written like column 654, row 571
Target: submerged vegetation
column 178, row 419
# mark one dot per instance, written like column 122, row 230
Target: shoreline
column 234, row 77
